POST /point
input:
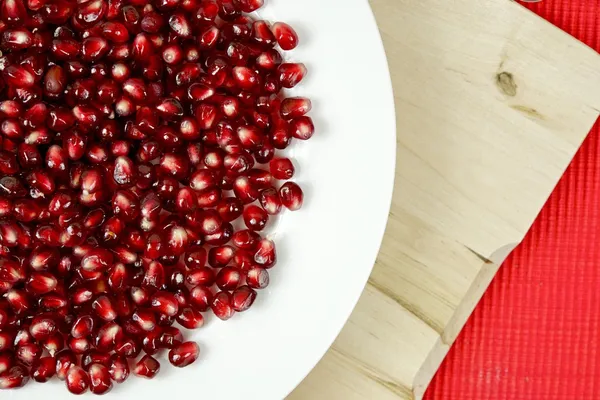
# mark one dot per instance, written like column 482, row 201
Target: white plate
column 327, row 249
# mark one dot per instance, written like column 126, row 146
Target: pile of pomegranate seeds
column 134, row 134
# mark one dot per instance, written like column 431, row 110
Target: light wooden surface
column 492, row 103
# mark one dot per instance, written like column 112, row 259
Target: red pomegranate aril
column 184, row 354
column 203, row 276
column 291, row 196
column 118, row 369
column 109, row 334
column 11, row 129
column 249, row 6
column 100, row 379
column 244, row 190
column 15, row 377
column 246, row 239
column 165, row 303
column 6, row 362
column 245, row 78
column 186, row 200
column 64, row 361
column 294, row 107
column 208, row 39
column 81, row 296
column 18, row 77
column 82, row 327
column 302, row 128
column 78, row 381
column 285, row 35
column 115, row 32
column 195, row 258
column 228, row 278
column 147, row 367
column 257, row 278
column 262, row 34
column 94, row 357
column 242, row 298
column 270, row 201
column 190, row 318
column 170, row 337
column 42, row 327
column 79, row 345
column 169, row 108
column 221, row 306
column 28, row 353
column 255, row 217
column 200, row 298
column 41, row 283
column 154, row 276
column 265, row 255
column 17, row 39
column 282, row 168
column 6, row 341
column 118, row 278
column 103, row 308
column 229, row 208
column 145, row 319
column 290, row 74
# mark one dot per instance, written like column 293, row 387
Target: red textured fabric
column 536, row 333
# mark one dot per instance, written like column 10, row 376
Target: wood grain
column 492, row 103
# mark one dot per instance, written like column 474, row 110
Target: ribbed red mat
column 536, row 333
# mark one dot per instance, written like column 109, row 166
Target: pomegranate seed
column 221, row 306
column 147, row 367
column 64, row 361
column 78, row 381
column 255, row 217
column 18, row 77
column 28, row 353
column 246, row 239
column 244, row 190
column 184, row 354
column 257, row 278
column 200, row 298
column 249, row 6
column 170, row 337
column 165, row 303
column 119, row 368
column 203, row 276
column 109, row 334
column 242, row 298
column 79, row 346
column 295, row 107
column 97, row 260
column 190, row 318
column 100, row 380
column 281, row 168
column 228, row 278
column 13, row 12
column 302, row 128
column 82, row 327
column 291, row 196
column 15, row 377
column 270, row 201
column 208, row 38
column 42, row 328
column 6, row 362
column 154, row 276
column 104, row 309
column 285, row 35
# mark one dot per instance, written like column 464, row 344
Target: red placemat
column 536, row 332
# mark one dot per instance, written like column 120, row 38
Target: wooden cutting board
column 492, row 103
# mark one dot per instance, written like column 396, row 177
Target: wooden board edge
column 433, row 361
